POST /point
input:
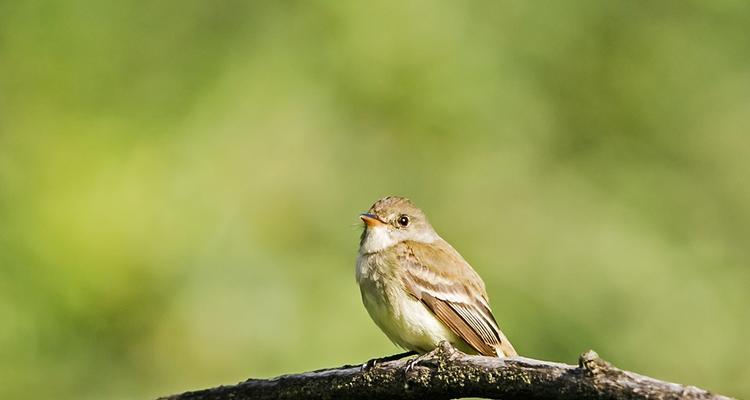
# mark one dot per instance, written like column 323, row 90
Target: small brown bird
column 418, row 289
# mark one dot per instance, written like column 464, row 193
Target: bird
column 418, row 289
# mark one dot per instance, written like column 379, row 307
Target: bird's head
column 392, row 220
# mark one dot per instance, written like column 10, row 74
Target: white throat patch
column 377, row 238
column 382, row 237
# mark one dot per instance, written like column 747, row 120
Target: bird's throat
column 376, row 238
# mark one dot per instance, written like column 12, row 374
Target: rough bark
column 446, row 374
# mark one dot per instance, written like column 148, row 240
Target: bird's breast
column 403, row 318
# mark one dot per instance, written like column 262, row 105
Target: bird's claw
column 370, row 364
column 409, row 368
column 375, row 361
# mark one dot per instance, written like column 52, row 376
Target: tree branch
column 446, row 373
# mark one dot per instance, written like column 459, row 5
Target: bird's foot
column 443, row 350
column 415, row 362
column 370, row 364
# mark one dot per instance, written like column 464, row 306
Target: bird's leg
column 371, row 363
column 443, row 347
column 414, row 361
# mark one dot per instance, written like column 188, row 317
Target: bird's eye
column 403, row 220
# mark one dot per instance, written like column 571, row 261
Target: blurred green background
column 180, row 182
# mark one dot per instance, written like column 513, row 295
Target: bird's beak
column 370, row 219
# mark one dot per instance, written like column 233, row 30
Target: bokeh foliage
column 180, row 182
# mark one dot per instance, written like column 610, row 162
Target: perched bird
column 418, row 289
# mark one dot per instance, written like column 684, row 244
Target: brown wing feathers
column 447, row 313
column 462, row 306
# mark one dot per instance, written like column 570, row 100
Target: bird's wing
column 438, row 276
